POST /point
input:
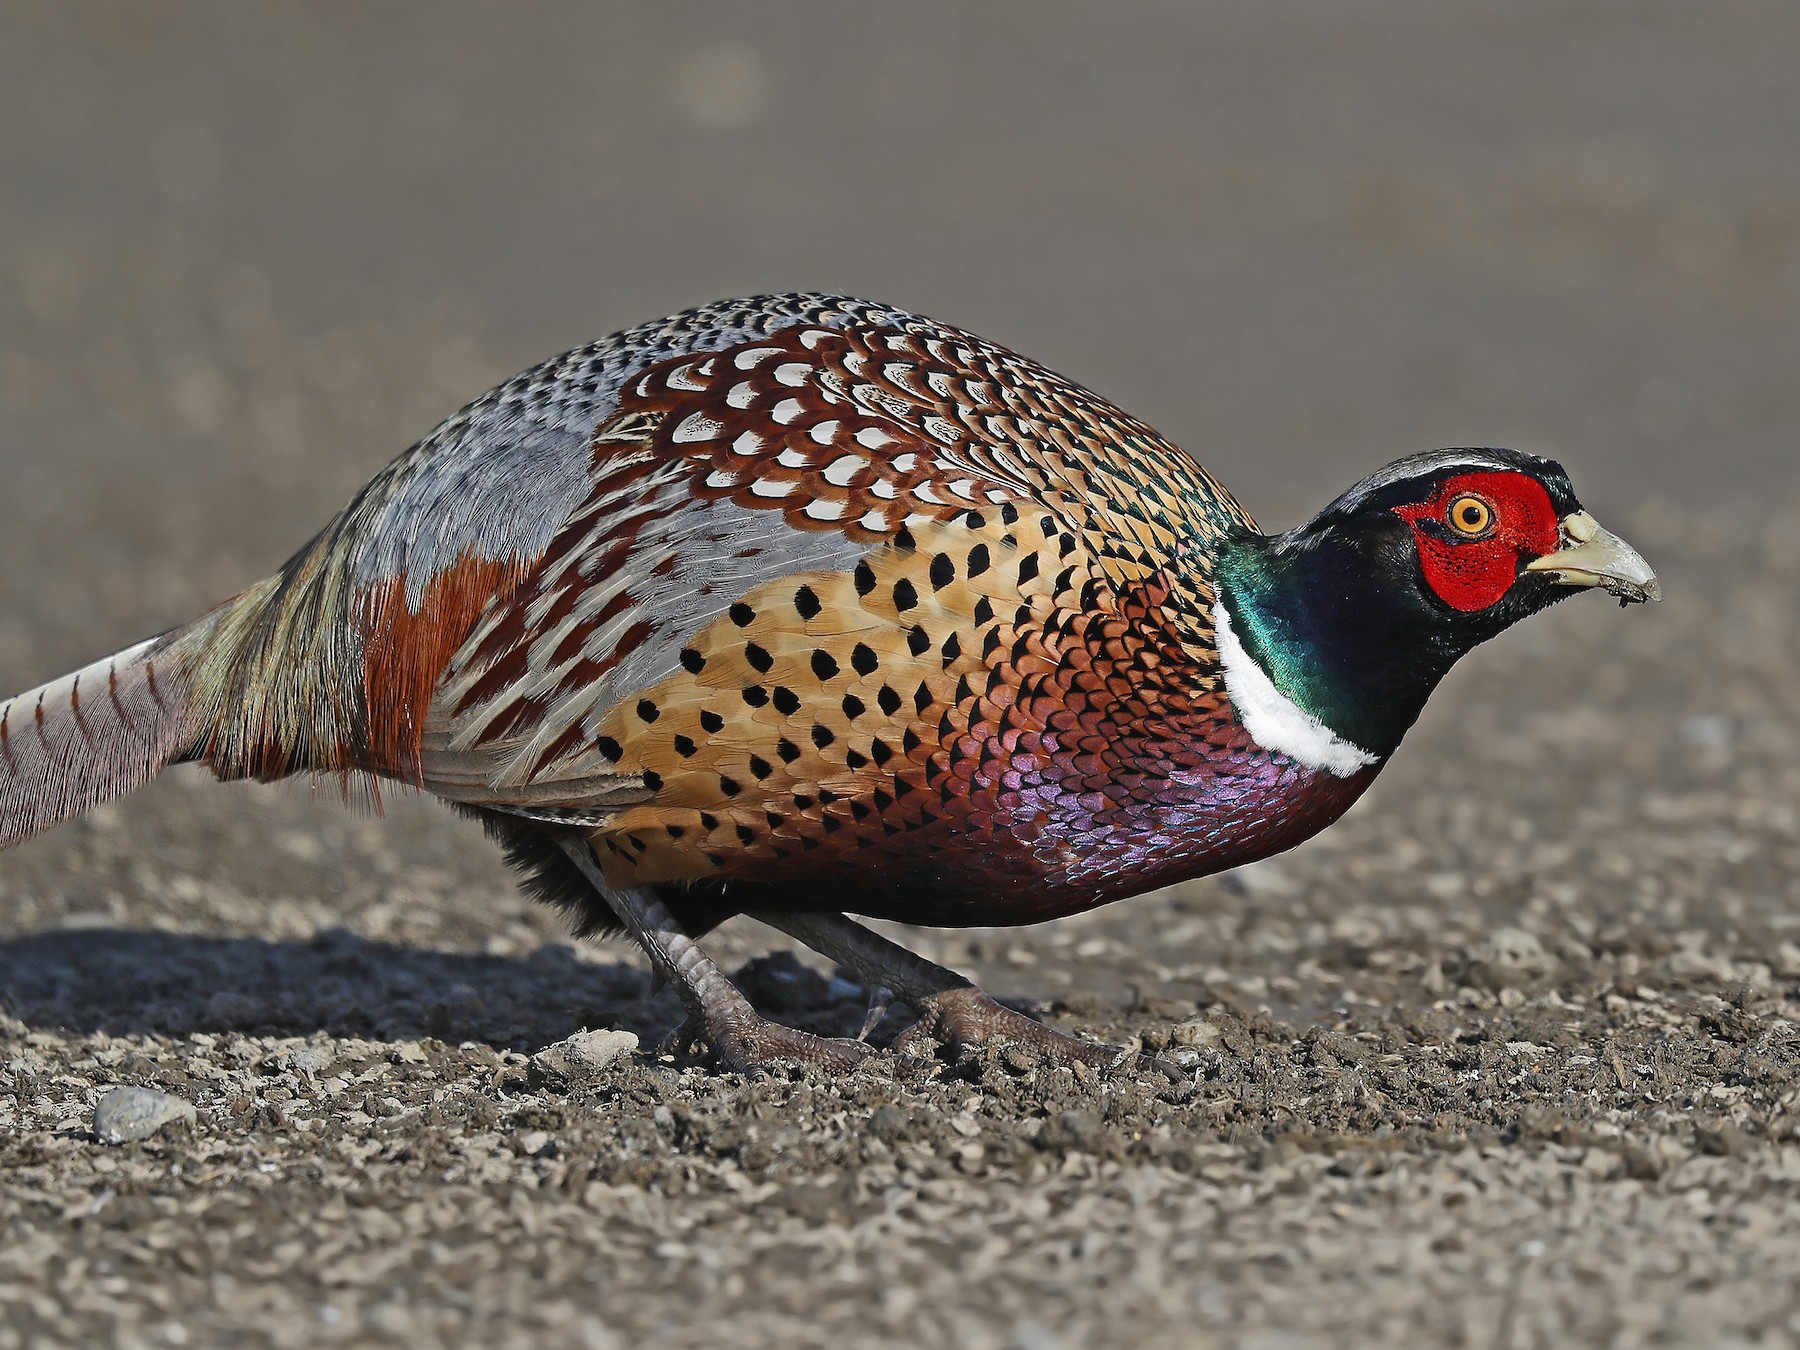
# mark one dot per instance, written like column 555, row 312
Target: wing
column 756, row 510
column 331, row 664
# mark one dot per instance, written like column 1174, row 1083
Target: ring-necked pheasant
column 801, row 605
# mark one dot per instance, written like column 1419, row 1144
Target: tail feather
column 92, row 735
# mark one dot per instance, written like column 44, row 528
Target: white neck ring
column 1273, row 719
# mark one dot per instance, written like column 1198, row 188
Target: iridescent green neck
column 1336, row 633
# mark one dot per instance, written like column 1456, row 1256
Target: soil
column 1509, row 1057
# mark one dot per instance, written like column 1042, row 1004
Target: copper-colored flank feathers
column 406, row 651
column 797, row 605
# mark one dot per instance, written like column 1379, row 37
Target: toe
column 968, row 1017
column 756, row 1049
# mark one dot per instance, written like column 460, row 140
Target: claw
column 916, row 1040
column 881, row 998
column 658, row 983
column 1168, row 1068
column 683, row 1038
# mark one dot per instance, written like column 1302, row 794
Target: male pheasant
column 800, row 605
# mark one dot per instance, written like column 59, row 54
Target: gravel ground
column 1509, row 1057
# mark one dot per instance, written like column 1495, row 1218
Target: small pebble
column 1073, row 1132
column 128, row 1114
column 311, row 1060
column 891, row 1124
column 584, row 1055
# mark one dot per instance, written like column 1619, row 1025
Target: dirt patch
column 1511, row 1052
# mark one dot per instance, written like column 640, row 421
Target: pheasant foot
column 950, row 1007
column 717, row 1012
column 969, row 1017
column 754, row 1046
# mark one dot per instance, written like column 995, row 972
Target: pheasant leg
column 951, row 1008
column 741, row 1037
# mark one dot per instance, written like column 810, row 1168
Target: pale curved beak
column 1592, row 555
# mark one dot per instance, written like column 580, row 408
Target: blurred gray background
column 249, row 252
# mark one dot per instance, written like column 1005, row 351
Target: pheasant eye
column 1470, row 516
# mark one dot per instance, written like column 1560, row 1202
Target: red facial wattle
column 1473, row 574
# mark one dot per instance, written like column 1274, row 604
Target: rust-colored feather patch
column 405, row 651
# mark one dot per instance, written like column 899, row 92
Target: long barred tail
column 92, row 735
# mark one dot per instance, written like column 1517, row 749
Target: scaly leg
column 950, row 1007
column 741, row 1037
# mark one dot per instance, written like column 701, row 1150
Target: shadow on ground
column 135, row 982
column 132, row 982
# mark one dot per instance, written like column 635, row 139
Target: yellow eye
column 1470, row 516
